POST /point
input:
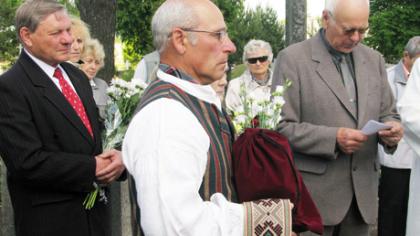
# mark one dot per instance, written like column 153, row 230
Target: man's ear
column 326, row 17
column 179, row 40
column 25, row 36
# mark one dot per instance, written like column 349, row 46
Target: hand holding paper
column 391, row 136
column 373, row 126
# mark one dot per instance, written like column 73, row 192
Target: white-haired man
column 338, row 85
column 182, row 167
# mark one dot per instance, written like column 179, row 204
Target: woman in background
column 93, row 60
column 256, row 80
column 80, row 33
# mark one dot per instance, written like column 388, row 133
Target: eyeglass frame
column 348, row 31
column 261, row 59
column 220, row 35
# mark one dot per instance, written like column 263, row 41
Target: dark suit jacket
column 316, row 105
column 49, row 153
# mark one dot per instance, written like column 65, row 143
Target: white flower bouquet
column 261, row 112
column 123, row 99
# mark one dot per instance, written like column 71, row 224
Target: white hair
column 413, row 46
column 255, row 45
column 172, row 14
column 330, row 5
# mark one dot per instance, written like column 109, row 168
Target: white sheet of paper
column 374, row 126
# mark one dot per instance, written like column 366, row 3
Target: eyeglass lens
column 255, row 59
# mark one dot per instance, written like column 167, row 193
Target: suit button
column 354, row 168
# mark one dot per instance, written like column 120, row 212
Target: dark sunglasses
column 255, row 59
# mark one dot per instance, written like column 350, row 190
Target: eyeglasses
column 255, row 59
column 349, row 31
column 220, row 35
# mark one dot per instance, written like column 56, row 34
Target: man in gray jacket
column 338, row 85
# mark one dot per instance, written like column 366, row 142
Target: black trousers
column 394, row 186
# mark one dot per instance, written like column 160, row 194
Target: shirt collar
column 202, row 92
column 48, row 69
column 92, row 83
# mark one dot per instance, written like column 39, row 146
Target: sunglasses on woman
column 255, row 59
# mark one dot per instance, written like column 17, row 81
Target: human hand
column 392, row 136
column 101, row 163
column 350, row 140
column 114, row 168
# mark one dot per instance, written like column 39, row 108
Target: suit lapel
column 362, row 81
column 327, row 71
column 53, row 94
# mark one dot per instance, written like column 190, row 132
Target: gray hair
column 32, row 12
column 413, row 47
column 95, row 49
column 330, row 5
column 255, row 45
column 172, row 14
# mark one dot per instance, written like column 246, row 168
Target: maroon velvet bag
column 264, row 168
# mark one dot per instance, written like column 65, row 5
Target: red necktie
column 73, row 99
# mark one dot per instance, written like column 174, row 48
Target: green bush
column 237, row 71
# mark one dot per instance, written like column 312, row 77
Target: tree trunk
column 295, row 21
column 100, row 15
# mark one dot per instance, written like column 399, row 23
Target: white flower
column 265, row 109
column 240, row 119
column 278, row 100
column 279, row 89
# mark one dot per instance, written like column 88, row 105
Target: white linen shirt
column 165, row 149
column 409, row 107
column 402, row 158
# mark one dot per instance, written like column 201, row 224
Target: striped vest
column 218, row 175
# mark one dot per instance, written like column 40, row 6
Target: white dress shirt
column 403, row 157
column 49, row 70
column 409, row 107
column 165, row 149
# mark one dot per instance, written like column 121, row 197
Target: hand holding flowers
column 123, row 99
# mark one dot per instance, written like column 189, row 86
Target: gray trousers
column 352, row 225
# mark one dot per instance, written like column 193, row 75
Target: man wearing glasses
column 182, row 167
column 256, row 80
column 338, row 85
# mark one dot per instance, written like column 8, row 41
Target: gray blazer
column 99, row 94
column 316, row 106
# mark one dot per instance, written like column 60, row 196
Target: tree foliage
column 392, row 24
column 9, row 49
column 134, row 27
column 261, row 23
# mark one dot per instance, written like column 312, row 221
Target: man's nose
column 230, row 46
column 356, row 36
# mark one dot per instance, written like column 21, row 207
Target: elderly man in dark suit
column 338, row 85
column 49, row 132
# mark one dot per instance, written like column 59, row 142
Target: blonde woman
column 80, row 33
column 93, row 60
